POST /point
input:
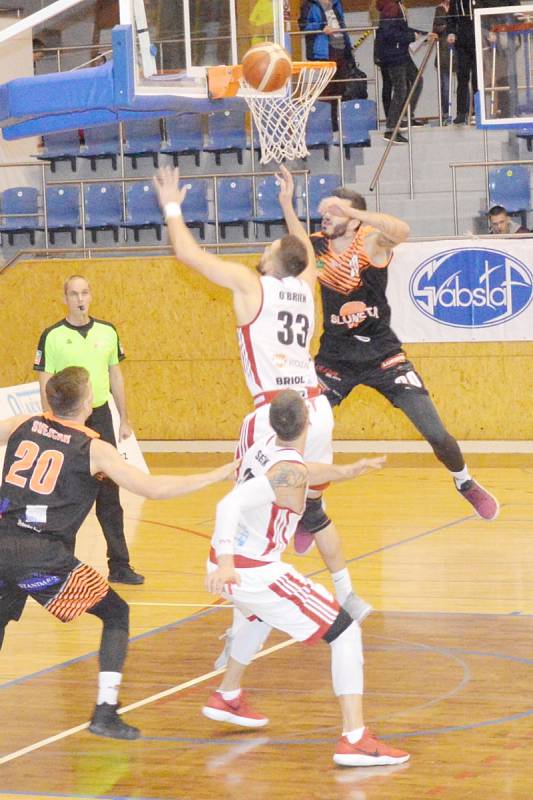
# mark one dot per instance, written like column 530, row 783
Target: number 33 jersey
column 47, row 486
column 275, row 345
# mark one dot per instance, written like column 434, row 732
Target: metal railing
column 455, row 165
column 405, row 110
column 83, row 182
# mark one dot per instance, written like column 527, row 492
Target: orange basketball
column 266, row 67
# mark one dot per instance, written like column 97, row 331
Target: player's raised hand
column 286, row 185
column 166, row 182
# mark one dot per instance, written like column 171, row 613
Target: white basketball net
column 281, row 120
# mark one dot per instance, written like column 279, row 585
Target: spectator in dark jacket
column 332, row 43
column 440, row 27
column 461, row 36
column 393, row 39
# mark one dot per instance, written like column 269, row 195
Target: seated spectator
column 501, row 223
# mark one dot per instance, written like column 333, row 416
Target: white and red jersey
column 275, row 345
column 264, row 532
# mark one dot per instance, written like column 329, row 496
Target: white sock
column 355, row 735
column 229, row 696
column 342, row 584
column 108, row 686
column 461, row 477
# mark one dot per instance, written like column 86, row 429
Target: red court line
column 174, row 527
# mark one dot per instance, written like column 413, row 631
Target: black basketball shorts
column 392, row 377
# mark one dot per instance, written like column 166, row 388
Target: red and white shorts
column 318, row 446
column 279, row 596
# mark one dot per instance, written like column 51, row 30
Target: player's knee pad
column 113, row 611
column 342, row 621
column 314, row 517
column 248, row 640
column 347, row 661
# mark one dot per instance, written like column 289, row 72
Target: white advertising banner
column 26, row 399
column 461, row 291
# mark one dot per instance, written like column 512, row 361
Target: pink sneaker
column 367, row 752
column 303, row 541
column 236, row 712
column 485, row 505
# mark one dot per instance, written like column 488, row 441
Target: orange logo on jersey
column 351, row 314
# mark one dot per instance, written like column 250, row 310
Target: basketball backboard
column 504, row 39
column 175, row 42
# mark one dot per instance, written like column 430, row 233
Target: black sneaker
column 417, row 123
column 460, row 119
column 125, row 575
column 399, row 139
column 106, row 722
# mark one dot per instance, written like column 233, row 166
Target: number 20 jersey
column 275, row 345
column 47, row 486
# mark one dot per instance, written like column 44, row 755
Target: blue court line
column 200, row 614
column 399, row 542
column 48, row 670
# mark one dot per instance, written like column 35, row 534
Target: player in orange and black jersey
column 353, row 251
column 49, row 483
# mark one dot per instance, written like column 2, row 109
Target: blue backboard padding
column 88, row 97
column 59, row 92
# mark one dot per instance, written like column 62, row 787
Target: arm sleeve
column 44, row 359
column 251, row 494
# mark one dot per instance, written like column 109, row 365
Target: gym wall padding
column 182, row 371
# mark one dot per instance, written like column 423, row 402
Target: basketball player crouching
column 254, row 524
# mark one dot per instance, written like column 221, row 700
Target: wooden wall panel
column 182, row 371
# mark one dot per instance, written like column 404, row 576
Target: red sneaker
column 236, row 712
column 485, row 505
column 367, row 752
column 303, row 541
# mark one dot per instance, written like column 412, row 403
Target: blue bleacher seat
column 184, row 136
column 319, row 186
column 103, row 208
column 142, row 209
column 195, row 207
column 20, row 200
column 62, row 146
column 226, row 133
column 267, row 203
column 359, row 117
column 101, row 142
column 62, row 210
column 319, row 130
column 142, row 137
column 509, row 187
column 234, row 203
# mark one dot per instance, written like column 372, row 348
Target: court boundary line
column 491, row 446
column 23, row 751
column 202, row 678
column 208, row 609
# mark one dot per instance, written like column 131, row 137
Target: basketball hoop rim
column 296, row 67
column 224, row 81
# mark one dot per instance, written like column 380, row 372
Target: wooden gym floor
column 449, row 658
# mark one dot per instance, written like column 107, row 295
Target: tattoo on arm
column 291, row 476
